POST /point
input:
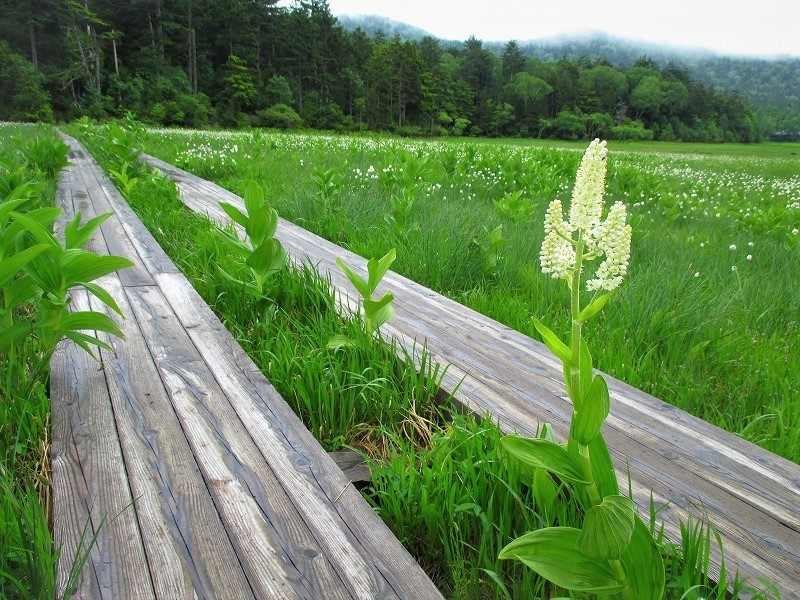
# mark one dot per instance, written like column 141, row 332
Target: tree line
column 252, row 63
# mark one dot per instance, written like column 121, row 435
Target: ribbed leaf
column 236, row 215
column 377, row 268
column 588, row 421
column 104, row 297
column 12, row 265
column 544, row 454
column 643, row 565
column 14, row 334
column 88, row 320
column 557, row 347
column 554, row 555
column 253, row 197
column 594, row 307
column 607, row 528
column 80, row 266
column 76, row 236
column 358, row 282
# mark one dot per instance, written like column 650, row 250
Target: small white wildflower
column 795, row 231
column 749, row 257
column 557, row 255
column 702, row 245
column 750, row 244
column 697, row 274
column 733, row 268
column 586, row 207
column 614, row 240
column 732, row 247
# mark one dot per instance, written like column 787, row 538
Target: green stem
column 575, row 368
column 616, row 566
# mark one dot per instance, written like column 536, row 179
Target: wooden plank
column 750, row 494
column 186, row 541
column 352, row 465
column 369, row 559
column 88, row 198
column 273, row 543
column 82, row 407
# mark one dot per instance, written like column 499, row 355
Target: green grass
column 439, row 479
column 707, row 318
column 27, row 555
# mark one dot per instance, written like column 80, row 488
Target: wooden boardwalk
column 200, row 480
column 751, row 496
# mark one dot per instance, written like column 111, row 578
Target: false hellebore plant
column 614, row 552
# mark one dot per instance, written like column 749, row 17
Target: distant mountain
column 372, row 24
column 762, row 81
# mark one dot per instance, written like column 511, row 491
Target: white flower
column 614, row 240
column 733, row 268
column 732, row 247
column 749, row 257
column 557, row 255
column 586, row 207
column 795, row 231
column 697, row 274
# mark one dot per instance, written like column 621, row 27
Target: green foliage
column 22, row 93
column 280, row 116
column 47, row 153
column 376, row 312
column 515, row 206
column 261, row 254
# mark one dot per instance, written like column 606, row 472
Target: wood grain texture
column 230, row 496
column 82, row 408
column 352, row 465
column 749, row 494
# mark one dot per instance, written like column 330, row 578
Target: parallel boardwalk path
column 200, row 480
column 750, row 495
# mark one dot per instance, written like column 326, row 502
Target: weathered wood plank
column 82, row 407
column 279, row 554
column 749, row 494
column 368, row 558
column 352, row 465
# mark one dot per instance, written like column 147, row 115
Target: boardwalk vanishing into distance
column 689, row 467
column 195, row 475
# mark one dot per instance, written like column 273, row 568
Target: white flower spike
column 610, row 238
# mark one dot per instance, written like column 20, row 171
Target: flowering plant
column 614, row 552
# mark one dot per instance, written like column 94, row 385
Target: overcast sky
column 752, row 27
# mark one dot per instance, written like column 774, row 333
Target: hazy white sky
column 760, row 27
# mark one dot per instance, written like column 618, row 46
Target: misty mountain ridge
column 773, row 80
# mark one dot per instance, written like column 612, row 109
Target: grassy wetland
column 440, row 479
column 707, row 319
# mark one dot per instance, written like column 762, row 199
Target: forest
column 239, row 63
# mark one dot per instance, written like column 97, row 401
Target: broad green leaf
column 261, row 225
column 236, row 215
column 544, row 454
column 104, row 297
column 378, row 312
column 80, row 266
column 588, row 421
column 88, row 320
column 358, row 282
column 594, row 306
column 337, row 342
column 557, row 347
column 545, row 491
column 253, row 197
column 607, row 528
column 602, row 468
column 14, row 334
column 86, row 341
column 376, row 268
column 44, row 216
column 76, row 236
column 21, row 291
column 643, row 565
column 268, row 257
column 39, row 233
column 12, row 265
column 553, row 554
